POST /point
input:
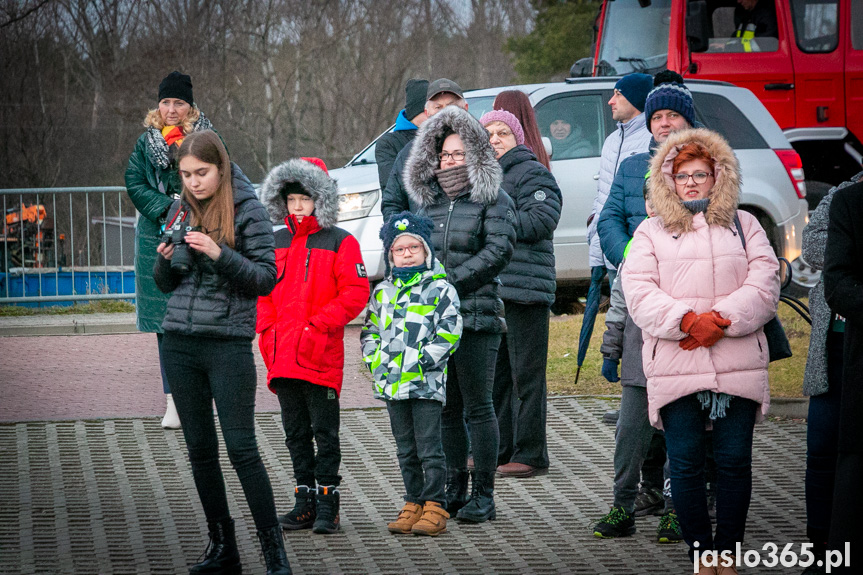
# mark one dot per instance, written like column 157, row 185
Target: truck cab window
column 747, row 26
column 634, row 38
column 816, row 24
column 857, row 25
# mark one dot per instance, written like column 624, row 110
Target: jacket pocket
column 311, row 347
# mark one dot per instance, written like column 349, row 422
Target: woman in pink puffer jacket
column 701, row 300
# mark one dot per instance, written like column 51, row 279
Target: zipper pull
column 308, row 257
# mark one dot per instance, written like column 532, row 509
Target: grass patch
column 100, row 306
column 786, row 376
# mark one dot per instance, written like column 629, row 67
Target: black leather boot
column 221, row 555
column 456, row 490
column 273, row 549
column 480, row 507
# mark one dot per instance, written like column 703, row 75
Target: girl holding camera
column 207, row 344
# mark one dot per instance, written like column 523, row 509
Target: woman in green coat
column 153, row 183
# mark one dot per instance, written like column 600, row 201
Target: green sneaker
column 669, row 529
column 616, row 523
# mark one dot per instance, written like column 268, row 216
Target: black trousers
column 310, row 415
column 520, row 386
column 416, row 426
column 203, row 369
column 470, row 378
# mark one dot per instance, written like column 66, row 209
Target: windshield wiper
column 640, row 64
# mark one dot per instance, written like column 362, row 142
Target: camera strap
column 181, row 213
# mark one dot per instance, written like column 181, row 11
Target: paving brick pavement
column 93, row 376
column 117, row 496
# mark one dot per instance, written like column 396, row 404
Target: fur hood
column 726, row 190
column 321, row 187
column 484, row 171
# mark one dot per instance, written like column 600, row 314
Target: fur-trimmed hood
column 724, row 196
column 484, row 171
column 321, row 187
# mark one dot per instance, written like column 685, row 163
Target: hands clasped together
column 704, row 329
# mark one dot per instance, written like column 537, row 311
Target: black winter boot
column 456, row 490
column 273, row 549
column 327, row 506
column 480, row 507
column 221, row 555
column 302, row 516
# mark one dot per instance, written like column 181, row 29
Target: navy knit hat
column 635, row 88
column 407, row 223
column 672, row 96
column 177, row 85
column 415, row 97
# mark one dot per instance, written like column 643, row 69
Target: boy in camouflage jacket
column 412, row 327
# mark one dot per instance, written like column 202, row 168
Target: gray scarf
column 697, row 206
column 453, row 181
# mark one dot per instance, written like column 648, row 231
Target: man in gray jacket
column 631, row 137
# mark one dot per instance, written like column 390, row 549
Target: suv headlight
column 354, row 206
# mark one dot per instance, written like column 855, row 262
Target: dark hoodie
column 218, row 298
column 474, row 233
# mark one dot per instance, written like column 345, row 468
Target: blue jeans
column 165, row 387
column 685, row 437
column 416, row 426
column 822, row 445
column 201, row 370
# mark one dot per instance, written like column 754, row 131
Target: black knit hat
column 407, row 223
column 415, row 97
column 177, row 85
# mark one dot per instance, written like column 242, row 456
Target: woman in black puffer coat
column 453, row 175
column 529, row 283
column 207, row 344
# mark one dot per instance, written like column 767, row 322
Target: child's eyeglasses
column 697, row 177
column 400, row 251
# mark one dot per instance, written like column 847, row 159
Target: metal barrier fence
column 66, row 245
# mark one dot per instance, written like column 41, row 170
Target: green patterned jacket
column 410, row 331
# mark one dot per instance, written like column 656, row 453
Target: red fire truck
column 802, row 58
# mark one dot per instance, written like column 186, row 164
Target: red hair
column 517, row 103
column 693, row 151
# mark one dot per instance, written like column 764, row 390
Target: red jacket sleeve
column 352, row 285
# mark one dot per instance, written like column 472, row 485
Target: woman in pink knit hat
column 529, row 283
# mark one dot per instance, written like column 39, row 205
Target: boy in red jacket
column 321, row 285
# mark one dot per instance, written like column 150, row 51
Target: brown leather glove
column 704, row 328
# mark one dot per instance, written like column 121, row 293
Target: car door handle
column 595, row 176
column 780, row 86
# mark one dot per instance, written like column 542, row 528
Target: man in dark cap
column 394, row 198
column 409, row 119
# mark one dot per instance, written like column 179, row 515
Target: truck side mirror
column 697, row 26
column 582, row 68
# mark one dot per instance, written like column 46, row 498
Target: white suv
column 773, row 187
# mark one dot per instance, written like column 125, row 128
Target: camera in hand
column 181, row 261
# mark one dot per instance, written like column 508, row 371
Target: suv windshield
column 476, row 106
column 634, row 39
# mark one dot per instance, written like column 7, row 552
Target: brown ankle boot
column 433, row 521
column 410, row 514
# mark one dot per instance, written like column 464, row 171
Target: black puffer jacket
column 387, row 150
column 474, row 233
column 219, row 298
column 394, row 197
column 530, row 277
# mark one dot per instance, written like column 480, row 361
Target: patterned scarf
column 158, row 148
column 407, row 273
